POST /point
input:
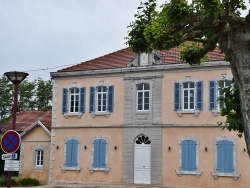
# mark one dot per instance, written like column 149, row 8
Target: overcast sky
column 48, row 34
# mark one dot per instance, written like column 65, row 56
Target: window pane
column 146, row 94
column 139, row 101
column 185, row 85
column 146, row 107
column 191, row 105
column 139, row 86
column 99, row 89
column 104, row 89
column 191, row 84
column 185, row 92
column 76, row 90
column 185, row 105
column 146, row 86
column 146, row 100
column 191, row 93
column 185, row 99
column 139, row 94
column 139, row 107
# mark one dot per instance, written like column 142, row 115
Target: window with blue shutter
column 225, row 156
column 71, row 153
column 92, row 99
column 65, row 101
column 199, row 95
column 212, row 95
column 99, row 158
column 177, row 96
column 101, row 99
column 188, row 155
column 82, row 99
column 110, row 98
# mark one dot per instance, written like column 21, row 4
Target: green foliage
column 20, row 182
column 189, row 51
column 4, row 180
column 27, row 91
column 178, row 21
column 231, row 109
column 29, row 182
column 6, row 96
column 44, row 94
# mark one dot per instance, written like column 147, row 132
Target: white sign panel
column 12, row 165
column 10, row 156
column 12, row 169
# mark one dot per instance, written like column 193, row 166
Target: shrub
column 29, row 182
column 3, row 182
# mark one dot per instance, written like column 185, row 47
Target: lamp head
column 16, row 77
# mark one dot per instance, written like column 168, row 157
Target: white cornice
column 150, row 68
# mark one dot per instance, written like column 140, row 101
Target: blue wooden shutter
column 82, row 99
column 92, row 99
column 199, row 95
column 68, row 153
column 221, row 157
column 229, row 157
column 191, row 155
column 102, row 153
column 110, row 98
column 177, row 96
column 65, row 101
column 74, row 153
column 96, row 153
column 212, row 95
column 184, row 155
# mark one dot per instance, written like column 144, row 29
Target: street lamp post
column 16, row 78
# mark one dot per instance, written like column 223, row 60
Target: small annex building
column 34, row 129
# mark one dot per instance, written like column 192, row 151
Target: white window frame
column 222, row 77
column 188, row 89
column 35, row 148
column 188, row 111
column 217, row 174
column 39, row 158
column 102, row 98
column 180, row 171
column 218, row 92
column 78, row 114
column 143, row 91
column 74, row 95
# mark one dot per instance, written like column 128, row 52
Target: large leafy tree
column 203, row 25
column 26, row 91
column 6, row 98
column 44, row 94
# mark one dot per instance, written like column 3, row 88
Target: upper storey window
column 143, row 97
column 188, row 96
column 101, row 100
column 216, row 92
column 73, row 100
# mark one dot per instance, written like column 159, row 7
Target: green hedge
column 20, row 182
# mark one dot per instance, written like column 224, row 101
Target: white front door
column 142, row 162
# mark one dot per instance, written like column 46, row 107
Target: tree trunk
column 236, row 46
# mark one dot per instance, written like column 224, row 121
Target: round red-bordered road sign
column 10, row 141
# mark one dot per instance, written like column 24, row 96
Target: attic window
column 144, row 59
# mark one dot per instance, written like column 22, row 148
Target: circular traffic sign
column 10, row 141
